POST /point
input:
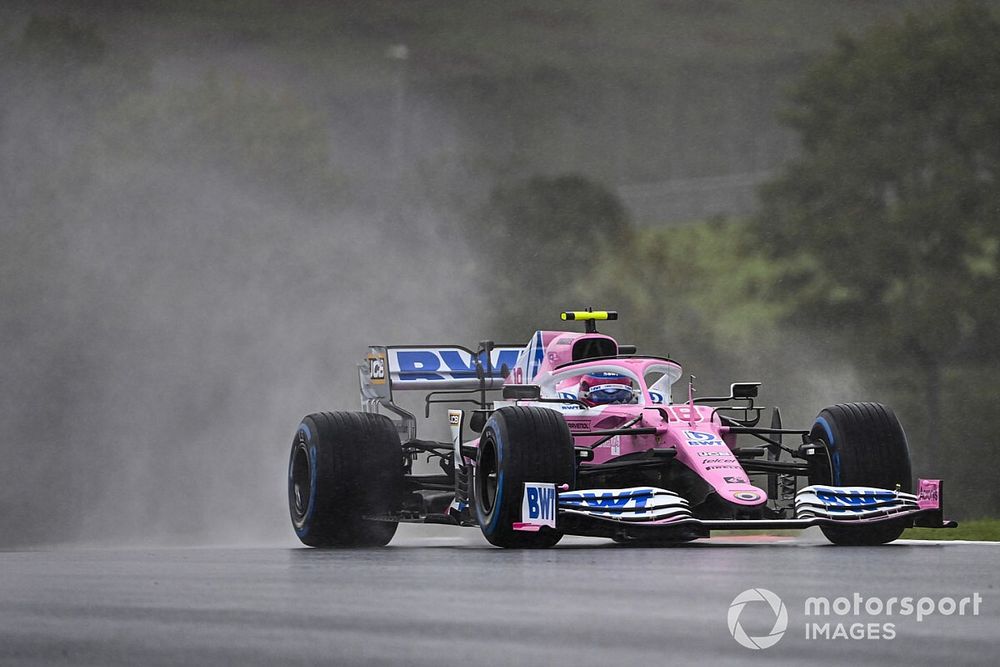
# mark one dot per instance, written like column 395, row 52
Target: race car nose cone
column 744, row 495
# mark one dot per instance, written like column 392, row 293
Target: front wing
column 594, row 511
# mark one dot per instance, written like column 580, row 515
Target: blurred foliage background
column 210, row 209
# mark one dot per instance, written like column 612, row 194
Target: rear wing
column 431, row 368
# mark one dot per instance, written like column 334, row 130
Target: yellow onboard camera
column 590, row 316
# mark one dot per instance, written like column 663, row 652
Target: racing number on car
column 685, row 413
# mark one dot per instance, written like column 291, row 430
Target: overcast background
column 208, row 210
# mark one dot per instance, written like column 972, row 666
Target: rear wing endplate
column 389, row 368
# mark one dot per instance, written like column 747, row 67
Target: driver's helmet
column 605, row 388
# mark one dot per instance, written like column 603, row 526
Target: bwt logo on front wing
column 861, row 497
column 538, row 506
column 611, row 501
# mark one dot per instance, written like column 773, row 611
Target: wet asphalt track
column 453, row 600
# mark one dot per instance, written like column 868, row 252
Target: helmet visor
column 610, row 393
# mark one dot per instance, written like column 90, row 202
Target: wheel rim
column 487, row 476
column 301, row 482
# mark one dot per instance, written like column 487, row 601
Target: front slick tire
column 867, row 447
column 344, row 466
column 520, row 444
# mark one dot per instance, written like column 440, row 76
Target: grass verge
column 973, row 529
column 980, row 530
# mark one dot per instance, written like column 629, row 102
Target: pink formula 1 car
column 590, row 438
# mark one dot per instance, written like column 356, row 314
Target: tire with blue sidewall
column 343, row 467
column 867, row 447
column 520, row 444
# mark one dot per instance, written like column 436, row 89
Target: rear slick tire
column 867, row 447
column 344, row 467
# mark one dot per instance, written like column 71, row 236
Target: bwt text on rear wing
column 436, row 369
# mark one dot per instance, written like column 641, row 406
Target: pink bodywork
column 929, row 494
column 696, row 432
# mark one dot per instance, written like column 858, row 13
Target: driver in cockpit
column 605, row 388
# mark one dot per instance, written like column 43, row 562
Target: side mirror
column 627, row 349
column 522, row 392
column 745, row 389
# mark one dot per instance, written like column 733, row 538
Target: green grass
column 982, row 530
column 975, row 529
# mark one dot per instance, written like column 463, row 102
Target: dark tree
column 887, row 227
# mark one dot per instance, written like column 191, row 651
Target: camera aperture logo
column 772, row 602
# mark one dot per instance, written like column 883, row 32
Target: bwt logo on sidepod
column 699, row 439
